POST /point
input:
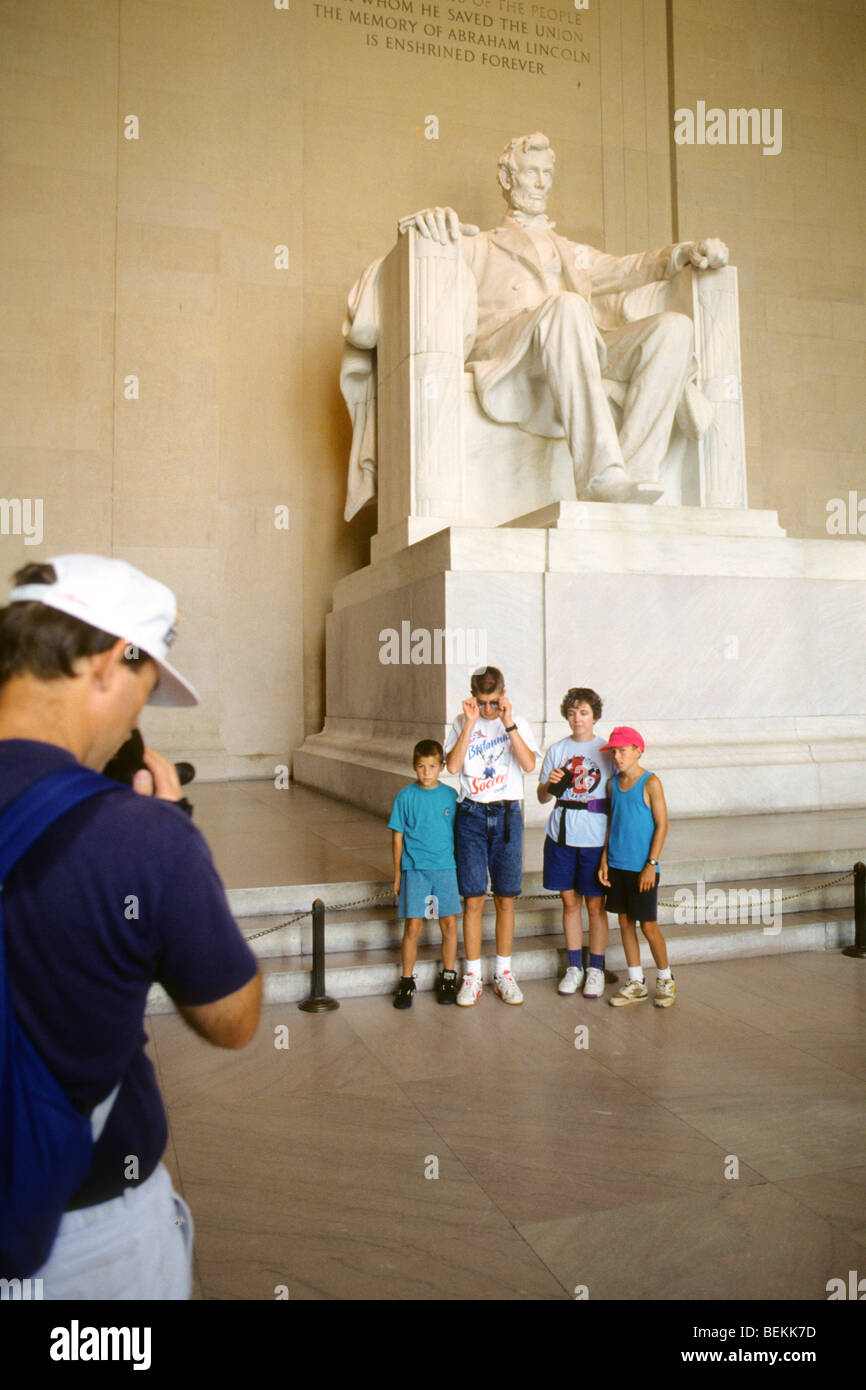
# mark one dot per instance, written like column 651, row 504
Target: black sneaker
column 403, row 997
column 446, row 987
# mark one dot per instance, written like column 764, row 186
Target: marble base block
column 737, row 652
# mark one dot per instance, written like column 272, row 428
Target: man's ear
column 503, row 173
column 102, row 664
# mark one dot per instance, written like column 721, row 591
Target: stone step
column 373, row 972
column 377, row 927
column 687, row 871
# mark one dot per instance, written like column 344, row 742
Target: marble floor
column 713, row 1151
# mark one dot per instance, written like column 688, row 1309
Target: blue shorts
column 624, row 896
column 428, row 893
column 573, row 868
column 481, row 848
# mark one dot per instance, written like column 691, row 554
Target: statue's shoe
column 612, row 485
column 646, row 492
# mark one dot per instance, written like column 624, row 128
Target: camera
column 129, row 759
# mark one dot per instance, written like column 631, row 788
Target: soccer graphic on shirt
column 494, row 755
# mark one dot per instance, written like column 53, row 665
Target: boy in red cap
column 629, row 865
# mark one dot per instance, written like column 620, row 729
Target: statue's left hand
column 709, row 254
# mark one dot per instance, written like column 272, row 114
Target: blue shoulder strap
column 25, row 818
column 21, row 824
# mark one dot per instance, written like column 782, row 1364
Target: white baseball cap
column 117, row 598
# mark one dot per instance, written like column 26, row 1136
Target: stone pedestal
column 736, row 651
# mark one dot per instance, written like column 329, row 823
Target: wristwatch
column 654, row 862
column 509, row 728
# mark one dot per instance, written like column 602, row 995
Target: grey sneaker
column 632, row 993
column 666, row 993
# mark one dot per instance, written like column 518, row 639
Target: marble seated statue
column 488, row 374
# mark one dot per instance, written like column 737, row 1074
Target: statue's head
column 525, row 172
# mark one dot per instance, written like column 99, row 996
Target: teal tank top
column 631, row 825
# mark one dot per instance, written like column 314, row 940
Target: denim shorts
column 481, row 848
column 428, row 893
column 572, row 868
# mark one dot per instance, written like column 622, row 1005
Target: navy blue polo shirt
column 120, row 892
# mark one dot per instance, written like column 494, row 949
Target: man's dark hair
column 577, row 695
column 427, row 748
column 487, row 681
column 40, row 641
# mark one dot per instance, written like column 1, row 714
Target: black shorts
column 624, row 896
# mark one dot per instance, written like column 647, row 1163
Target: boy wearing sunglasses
column 490, row 747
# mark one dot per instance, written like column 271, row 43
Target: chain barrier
column 535, row 897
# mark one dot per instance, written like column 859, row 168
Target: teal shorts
column 428, row 893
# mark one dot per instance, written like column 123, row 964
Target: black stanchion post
column 858, row 950
column 318, row 1000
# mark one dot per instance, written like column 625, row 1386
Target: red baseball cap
column 622, row 736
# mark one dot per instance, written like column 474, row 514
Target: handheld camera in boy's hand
column 566, row 781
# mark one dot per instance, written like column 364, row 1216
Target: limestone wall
column 170, row 374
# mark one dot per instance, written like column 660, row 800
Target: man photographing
column 118, row 893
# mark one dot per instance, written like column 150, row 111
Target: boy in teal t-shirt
column 425, row 871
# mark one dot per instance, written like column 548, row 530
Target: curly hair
column 577, row 695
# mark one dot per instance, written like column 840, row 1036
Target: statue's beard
column 534, row 206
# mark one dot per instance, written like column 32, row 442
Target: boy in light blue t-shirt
column 425, row 870
column 575, row 773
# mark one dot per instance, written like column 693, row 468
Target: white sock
column 503, row 963
column 635, row 972
column 473, row 967
column 664, row 974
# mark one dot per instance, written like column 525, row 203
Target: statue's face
column 532, row 182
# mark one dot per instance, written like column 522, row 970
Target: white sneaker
column 507, row 988
column 571, row 980
column 594, row 987
column 470, row 990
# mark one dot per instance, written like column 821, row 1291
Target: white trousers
column 651, row 355
column 137, row 1246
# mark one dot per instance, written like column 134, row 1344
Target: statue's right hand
column 440, row 224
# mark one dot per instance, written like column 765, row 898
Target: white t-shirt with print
column 592, row 772
column 490, row 770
